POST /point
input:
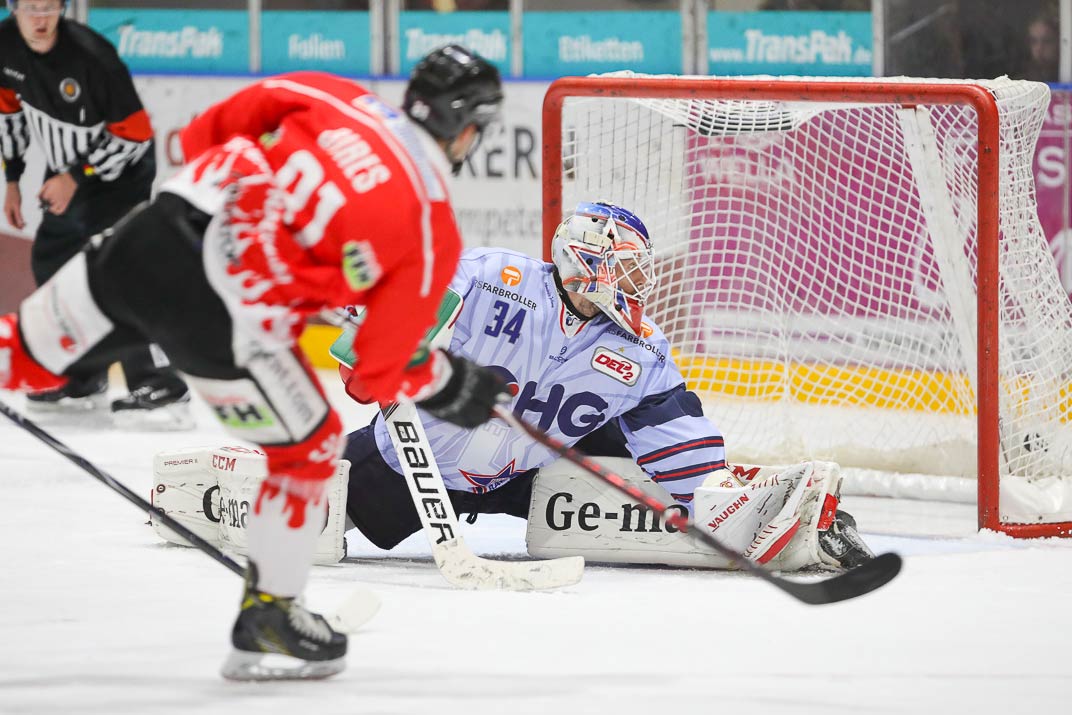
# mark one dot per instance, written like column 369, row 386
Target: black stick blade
column 859, row 581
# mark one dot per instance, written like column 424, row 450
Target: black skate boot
column 80, row 396
column 843, row 544
column 162, row 404
column 276, row 638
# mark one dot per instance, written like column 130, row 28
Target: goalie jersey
column 567, row 375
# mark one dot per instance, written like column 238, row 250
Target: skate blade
column 175, row 417
column 77, row 408
column 246, row 666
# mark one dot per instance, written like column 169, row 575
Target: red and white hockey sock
column 19, row 371
column 286, row 520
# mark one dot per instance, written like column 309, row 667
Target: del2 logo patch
column 614, row 365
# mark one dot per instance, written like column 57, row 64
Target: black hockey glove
column 469, row 395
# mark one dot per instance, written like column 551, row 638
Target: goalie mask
column 603, row 253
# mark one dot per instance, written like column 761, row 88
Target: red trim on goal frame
column 877, row 92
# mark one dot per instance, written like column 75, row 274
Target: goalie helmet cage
column 848, row 269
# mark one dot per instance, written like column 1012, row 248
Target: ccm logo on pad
column 614, row 365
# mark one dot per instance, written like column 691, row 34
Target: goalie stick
column 850, row 584
column 356, row 610
column 458, row 564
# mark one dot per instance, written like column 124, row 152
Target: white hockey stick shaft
column 458, row 564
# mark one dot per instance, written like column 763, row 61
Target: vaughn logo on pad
column 617, row 366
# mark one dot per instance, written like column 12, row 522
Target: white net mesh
column 817, row 267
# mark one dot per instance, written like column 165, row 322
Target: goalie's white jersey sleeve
column 568, row 376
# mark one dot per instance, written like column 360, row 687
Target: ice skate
column 160, row 405
column 842, row 542
column 276, row 638
column 79, row 398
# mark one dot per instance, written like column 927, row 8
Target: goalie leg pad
column 185, row 489
column 573, row 513
column 212, row 492
column 775, row 517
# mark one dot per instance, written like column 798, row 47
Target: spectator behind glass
column 1043, row 54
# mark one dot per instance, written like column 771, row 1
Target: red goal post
column 929, row 178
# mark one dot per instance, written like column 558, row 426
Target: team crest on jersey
column 70, row 90
column 359, row 265
column 616, row 366
column 484, row 483
column 511, row 275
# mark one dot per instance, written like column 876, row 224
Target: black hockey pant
column 96, row 206
column 144, row 281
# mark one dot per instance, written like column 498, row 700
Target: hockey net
column 848, row 270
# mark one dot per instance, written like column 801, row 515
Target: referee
column 65, row 86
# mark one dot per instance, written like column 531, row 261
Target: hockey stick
column 458, row 564
column 850, row 584
column 355, row 611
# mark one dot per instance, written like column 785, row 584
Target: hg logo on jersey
column 575, row 416
column 616, row 366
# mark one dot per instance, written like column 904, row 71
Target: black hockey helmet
column 451, row 88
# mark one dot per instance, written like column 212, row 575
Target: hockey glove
column 469, row 395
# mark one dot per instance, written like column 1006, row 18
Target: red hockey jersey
column 325, row 196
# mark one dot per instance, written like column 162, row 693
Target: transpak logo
column 511, row 275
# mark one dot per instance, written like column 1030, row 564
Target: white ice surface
column 98, row 616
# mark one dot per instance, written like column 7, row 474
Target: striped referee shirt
column 77, row 102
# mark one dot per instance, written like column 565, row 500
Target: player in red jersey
column 301, row 193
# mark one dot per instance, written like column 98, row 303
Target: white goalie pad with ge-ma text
column 771, row 515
